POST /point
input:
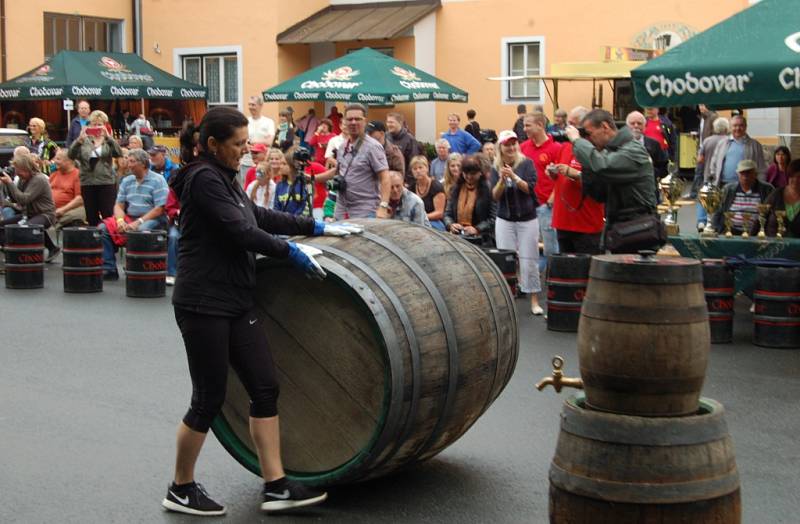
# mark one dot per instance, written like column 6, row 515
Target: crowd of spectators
column 510, row 190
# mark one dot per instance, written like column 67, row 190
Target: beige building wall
column 469, row 38
column 248, row 28
column 25, row 26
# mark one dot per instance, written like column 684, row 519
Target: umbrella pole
column 143, row 107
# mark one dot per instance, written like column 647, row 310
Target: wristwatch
column 384, row 205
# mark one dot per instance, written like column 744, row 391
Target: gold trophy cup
column 728, row 224
column 780, row 215
column 711, row 199
column 671, row 187
column 763, row 211
column 747, row 219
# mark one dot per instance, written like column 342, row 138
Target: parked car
column 10, row 139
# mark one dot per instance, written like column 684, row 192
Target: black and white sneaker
column 191, row 499
column 284, row 494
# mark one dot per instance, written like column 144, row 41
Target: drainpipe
column 2, row 40
column 137, row 26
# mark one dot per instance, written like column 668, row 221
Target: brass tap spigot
column 557, row 379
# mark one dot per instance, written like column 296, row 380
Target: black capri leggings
column 211, row 343
column 98, row 202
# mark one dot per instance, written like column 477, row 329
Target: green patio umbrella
column 98, row 75
column 365, row 76
column 749, row 60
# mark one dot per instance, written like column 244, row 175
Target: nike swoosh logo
column 253, row 321
column 184, row 500
column 282, row 496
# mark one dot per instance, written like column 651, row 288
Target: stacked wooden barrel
column 641, row 445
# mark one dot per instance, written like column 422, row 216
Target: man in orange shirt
column 66, row 187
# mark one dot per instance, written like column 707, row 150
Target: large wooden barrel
column 387, row 361
column 643, row 338
column 146, row 264
column 83, row 260
column 567, row 277
column 718, row 283
column 24, row 256
column 621, row 469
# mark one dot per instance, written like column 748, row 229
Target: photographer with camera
column 362, row 176
column 622, row 168
column 298, row 192
column 94, row 151
column 33, row 195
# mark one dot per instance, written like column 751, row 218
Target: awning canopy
column 373, row 21
column 365, row 76
column 99, row 75
column 749, row 60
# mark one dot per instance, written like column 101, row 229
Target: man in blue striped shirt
column 140, row 206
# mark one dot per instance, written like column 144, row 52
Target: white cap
column 505, row 136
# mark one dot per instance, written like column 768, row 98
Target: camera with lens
column 302, row 155
column 583, row 132
column 337, row 184
column 8, row 170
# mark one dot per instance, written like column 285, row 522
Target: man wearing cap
column 543, row 151
column 260, row 130
column 739, row 146
column 258, row 152
column 161, row 163
column 394, row 157
column 742, row 198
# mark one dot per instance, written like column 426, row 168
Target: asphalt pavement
column 92, row 387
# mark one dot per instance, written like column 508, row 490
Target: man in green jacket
column 617, row 170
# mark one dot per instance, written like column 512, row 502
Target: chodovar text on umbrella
column 789, row 77
column 660, row 85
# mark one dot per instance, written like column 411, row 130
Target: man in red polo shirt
column 543, row 151
column 577, row 218
column 66, row 188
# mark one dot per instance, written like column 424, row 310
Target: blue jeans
column 172, row 250
column 548, row 235
column 702, row 216
column 8, row 212
column 110, row 250
column 438, row 225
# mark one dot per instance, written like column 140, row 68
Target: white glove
column 342, row 230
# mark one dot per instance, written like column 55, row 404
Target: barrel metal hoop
column 649, row 385
column 28, row 247
column 82, row 251
column 645, row 431
column 492, row 305
column 776, row 321
column 645, row 493
column 411, row 336
column 567, row 282
column 447, row 322
column 644, row 315
column 776, row 296
column 21, row 267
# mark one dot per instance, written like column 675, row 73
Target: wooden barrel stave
column 416, row 406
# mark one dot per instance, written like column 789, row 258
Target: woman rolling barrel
column 221, row 230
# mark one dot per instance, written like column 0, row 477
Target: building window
column 523, row 56
column 81, row 33
column 219, row 73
